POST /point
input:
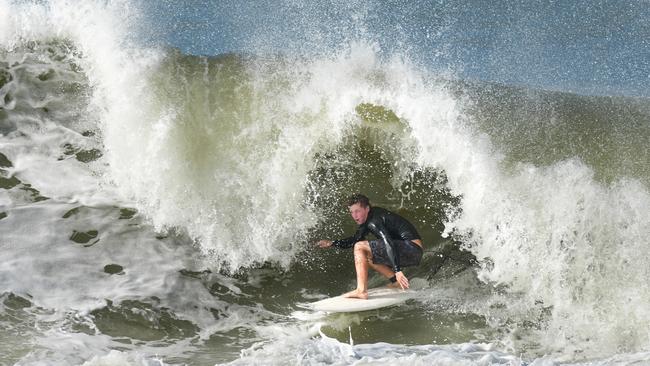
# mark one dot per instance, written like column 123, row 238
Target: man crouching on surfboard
column 398, row 245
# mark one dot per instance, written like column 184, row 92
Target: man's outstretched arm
column 344, row 243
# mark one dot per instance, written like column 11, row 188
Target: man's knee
column 362, row 247
column 362, row 252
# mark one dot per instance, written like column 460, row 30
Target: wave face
column 237, row 162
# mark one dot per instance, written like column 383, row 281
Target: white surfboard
column 379, row 297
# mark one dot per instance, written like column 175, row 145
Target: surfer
column 398, row 244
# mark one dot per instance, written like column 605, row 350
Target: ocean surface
column 167, row 167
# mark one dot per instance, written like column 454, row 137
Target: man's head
column 359, row 206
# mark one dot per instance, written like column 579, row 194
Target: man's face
column 359, row 213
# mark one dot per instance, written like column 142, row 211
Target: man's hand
column 324, row 243
column 402, row 280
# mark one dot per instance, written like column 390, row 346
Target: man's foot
column 357, row 294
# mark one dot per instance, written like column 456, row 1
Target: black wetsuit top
column 387, row 226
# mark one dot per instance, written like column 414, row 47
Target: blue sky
column 593, row 47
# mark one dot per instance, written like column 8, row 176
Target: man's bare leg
column 385, row 271
column 362, row 257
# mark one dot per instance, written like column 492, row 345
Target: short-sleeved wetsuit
column 394, row 232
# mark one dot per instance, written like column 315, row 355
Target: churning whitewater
column 161, row 207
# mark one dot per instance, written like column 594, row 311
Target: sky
column 590, row 47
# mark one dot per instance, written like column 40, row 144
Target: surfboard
column 378, row 298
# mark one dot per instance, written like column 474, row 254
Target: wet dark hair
column 360, row 199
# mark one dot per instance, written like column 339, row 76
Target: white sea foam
column 117, row 358
column 323, row 350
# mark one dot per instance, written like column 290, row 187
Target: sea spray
column 232, row 141
column 560, row 241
